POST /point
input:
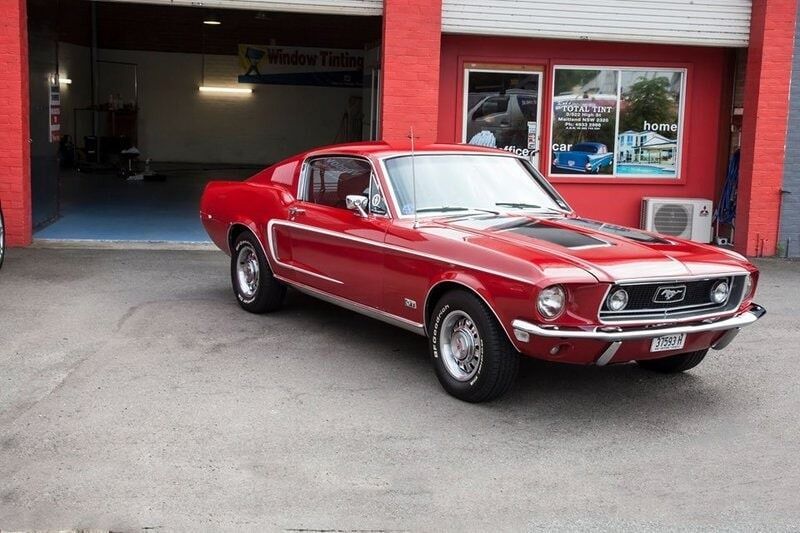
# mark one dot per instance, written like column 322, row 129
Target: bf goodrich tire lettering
column 474, row 361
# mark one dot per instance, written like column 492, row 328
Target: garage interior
column 135, row 107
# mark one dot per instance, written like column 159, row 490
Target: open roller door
column 154, row 99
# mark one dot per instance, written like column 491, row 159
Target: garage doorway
column 135, row 107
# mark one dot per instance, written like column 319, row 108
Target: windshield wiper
column 518, row 205
column 445, row 209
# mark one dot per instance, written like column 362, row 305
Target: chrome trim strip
column 739, row 321
column 608, row 354
column 370, row 312
column 394, row 248
column 274, row 253
column 678, row 279
column 661, row 311
column 590, row 246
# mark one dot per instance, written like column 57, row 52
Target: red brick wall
column 411, row 42
column 766, row 109
column 15, row 182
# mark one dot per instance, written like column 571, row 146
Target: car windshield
column 467, row 181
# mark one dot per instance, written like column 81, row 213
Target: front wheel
column 674, row 363
column 472, row 356
column 256, row 289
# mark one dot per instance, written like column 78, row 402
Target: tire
column 254, row 285
column 674, row 363
column 472, row 356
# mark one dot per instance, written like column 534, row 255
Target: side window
column 331, row 179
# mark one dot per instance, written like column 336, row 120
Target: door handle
column 294, row 211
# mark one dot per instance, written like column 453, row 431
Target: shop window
column 501, row 110
column 617, row 121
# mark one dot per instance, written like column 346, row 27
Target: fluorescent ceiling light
column 233, row 90
column 212, row 20
column 66, row 81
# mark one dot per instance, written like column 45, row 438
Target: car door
column 331, row 248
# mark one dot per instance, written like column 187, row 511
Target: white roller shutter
column 330, row 7
column 698, row 22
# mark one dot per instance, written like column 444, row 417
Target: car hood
column 607, row 251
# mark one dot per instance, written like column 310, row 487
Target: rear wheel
column 674, row 363
column 471, row 354
column 255, row 287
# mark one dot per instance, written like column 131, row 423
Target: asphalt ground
column 135, row 393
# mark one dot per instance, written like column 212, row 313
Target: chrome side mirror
column 356, row 202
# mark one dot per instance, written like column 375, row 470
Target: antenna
column 413, row 178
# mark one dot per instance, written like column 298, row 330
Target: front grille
column 646, row 301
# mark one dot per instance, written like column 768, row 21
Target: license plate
column 668, row 342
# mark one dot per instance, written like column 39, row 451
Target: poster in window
column 584, row 120
column 615, row 121
column 501, row 110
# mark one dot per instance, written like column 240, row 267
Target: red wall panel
column 613, row 199
column 15, row 182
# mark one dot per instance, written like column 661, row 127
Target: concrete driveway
column 135, row 393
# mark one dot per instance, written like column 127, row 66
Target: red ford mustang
column 474, row 249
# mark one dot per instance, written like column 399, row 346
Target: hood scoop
column 556, row 235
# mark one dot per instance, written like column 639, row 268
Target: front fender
column 501, row 291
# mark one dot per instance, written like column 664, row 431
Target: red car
column 472, row 248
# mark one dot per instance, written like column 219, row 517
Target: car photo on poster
column 586, row 157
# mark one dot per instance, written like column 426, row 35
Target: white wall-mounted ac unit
column 687, row 218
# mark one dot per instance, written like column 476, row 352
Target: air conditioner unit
column 687, row 218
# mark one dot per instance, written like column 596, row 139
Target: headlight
column 551, row 301
column 719, row 293
column 617, row 300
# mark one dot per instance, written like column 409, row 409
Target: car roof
column 379, row 149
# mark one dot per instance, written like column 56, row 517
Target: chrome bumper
column 523, row 330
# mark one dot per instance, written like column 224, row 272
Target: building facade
column 614, row 103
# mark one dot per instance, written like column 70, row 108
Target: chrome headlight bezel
column 725, row 294
column 551, row 302
column 619, row 295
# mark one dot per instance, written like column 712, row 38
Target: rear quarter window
column 284, row 174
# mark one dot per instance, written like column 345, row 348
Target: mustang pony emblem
column 670, row 294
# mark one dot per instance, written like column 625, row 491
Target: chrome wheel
column 247, row 271
column 460, row 346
